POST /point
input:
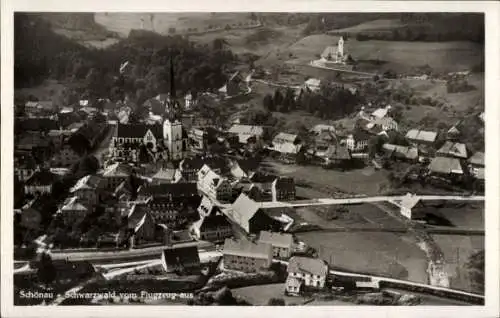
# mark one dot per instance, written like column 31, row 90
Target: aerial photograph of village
column 249, row 159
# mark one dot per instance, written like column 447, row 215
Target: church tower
column 340, row 50
column 174, row 136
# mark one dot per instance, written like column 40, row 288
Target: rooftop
column 454, row 149
column 42, row 178
column 445, row 165
column 138, row 130
column 276, row 239
column 312, row 266
column 477, row 159
column 247, row 248
column 421, row 135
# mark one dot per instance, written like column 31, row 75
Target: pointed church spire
column 172, row 80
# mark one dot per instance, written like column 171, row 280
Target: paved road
column 437, row 231
column 392, row 199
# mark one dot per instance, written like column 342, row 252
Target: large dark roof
column 214, row 221
column 197, row 162
column 176, row 255
column 138, row 130
column 169, row 189
column 37, row 124
column 42, row 177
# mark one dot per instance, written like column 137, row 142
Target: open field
column 464, row 215
column 398, row 55
column 259, row 295
column 383, row 254
column 122, row 23
column 457, row 250
column 357, row 216
column 362, row 181
column 375, row 25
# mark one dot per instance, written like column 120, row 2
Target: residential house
column 283, row 189
column 336, row 156
column 247, row 256
column 400, row 152
column 381, row 112
column 124, row 192
column 214, row 185
column 286, row 144
column 312, row 84
column 312, row 272
column 246, row 132
column 453, row 133
column 189, row 101
column 189, row 167
column 233, row 86
column 318, row 129
column 167, row 175
column 243, row 169
column 453, row 150
column 24, row 166
column 357, row 141
column 412, row 207
column 57, row 137
column 212, row 227
column 65, row 157
column 141, row 225
column 39, row 107
column 421, row 137
column 36, row 145
column 72, row 211
column 40, row 182
column 250, row 217
column 182, row 191
column 282, row 243
column 31, row 215
column 476, row 165
column 115, row 174
column 385, row 123
column 446, row 166
column 184, row 259
column 87, row 190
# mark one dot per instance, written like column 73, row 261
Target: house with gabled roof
column 412, row 207
column 129, row 137
column 214, row 185
column 40, row 182
column 183, row 259
column 249, row 215
column 357, row 141
column 247, row 256
column 283, row 189
column 476, row 165
column 400, row 152
column 282, row 243
column 73, row 211
column 446, row 166
column 243, row 169
column 167, row 175
column 453, row 150
column 418, row 137
column 87, row 189
column 212, row 226
column 115, row 174
column 246, row 132
column 141, row 225
column 286, row 144
column 189, row 167
column 312, row 272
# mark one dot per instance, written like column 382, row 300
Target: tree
column 278, row 98
column 269, row 103
column 276, row 302
column 46, row 269
column 475, row 267
column 219, row 44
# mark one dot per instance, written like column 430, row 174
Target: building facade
column 247, row 256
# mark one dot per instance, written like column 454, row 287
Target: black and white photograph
column 248, row 158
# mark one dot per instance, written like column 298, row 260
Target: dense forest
column 42, row 54
column 415, row 26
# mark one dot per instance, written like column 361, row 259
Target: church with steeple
column 175, row 137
